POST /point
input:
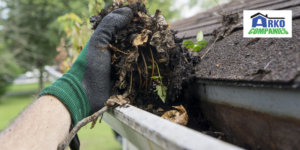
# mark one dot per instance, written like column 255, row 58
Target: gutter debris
column 149, row 62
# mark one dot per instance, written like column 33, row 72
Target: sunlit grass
column 26, row 87
column 100, row 137
column 11, row 106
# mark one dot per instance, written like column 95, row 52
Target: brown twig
column 138, row 68
column 116, row 49
column 163, row 60
column 82, row 123
column 158, row 70
column 152, row 66
column 130, row 83
column 146, row 71
column 209, row 47
column 143, row 84
column 100, row 118
column 78, row 126
column 93, row 123
column 157, row 13
column 161, row 83
column 219, row 6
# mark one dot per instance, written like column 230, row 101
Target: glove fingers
column 96, row 80
column 110, row 24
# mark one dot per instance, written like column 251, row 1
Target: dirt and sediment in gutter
column 253, row 59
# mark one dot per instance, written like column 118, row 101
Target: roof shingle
column 238, row 62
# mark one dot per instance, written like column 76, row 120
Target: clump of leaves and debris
column 149, row 61
column 229, row 22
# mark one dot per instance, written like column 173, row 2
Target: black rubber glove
column 96, row 80
column 85, row 87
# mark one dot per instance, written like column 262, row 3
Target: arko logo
column 272, row 23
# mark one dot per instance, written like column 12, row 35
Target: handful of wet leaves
column 149, row 62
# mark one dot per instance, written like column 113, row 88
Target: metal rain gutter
column 276, row 102
column 260, row 118
column 53, row 72
column 150, row 132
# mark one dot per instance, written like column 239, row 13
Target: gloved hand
column 85, row 87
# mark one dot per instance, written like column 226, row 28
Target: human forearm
column 43, row 125
column 83, row 90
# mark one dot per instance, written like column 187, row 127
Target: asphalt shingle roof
column 239, row 64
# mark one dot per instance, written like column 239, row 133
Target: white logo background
column 287, row 14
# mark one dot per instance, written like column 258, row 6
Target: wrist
column 70, row 92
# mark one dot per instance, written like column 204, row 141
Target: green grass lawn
column 99, row 138
column 11, row 106
column 26, row 87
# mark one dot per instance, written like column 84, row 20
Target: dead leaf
column 150, row 107
column 156, row 41
column 141, row 38
column 195, row 54
column 163, row 60
column 144, row 16
column 117, row 100
column 163, row 39
column 146, row 32
column 94, row 123
column 122, row 72
column 136, row 19
column 134, row 1
column 113, row 58
column 116, row 49
column 177, row 116
column 160, row 109
column 161, row 22
column 133, row 57
column 117, row 2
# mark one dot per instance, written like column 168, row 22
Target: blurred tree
column 31, row 31
column 168, row 11
column 8, row 69
column 77, row 31
column 8, row 66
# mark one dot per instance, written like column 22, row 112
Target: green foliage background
column 165, row 6
column 32, row 30
column 30, row 35
column 9, row 69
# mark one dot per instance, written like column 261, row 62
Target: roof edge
column 245, row 83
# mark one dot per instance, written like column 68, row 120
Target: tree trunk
column 41, row 83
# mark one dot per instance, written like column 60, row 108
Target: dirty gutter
column 276, row 102
column 252, row 117
column 149, row 132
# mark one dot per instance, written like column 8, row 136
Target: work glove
column 85, row 87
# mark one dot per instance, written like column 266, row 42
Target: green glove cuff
column 69, row 91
